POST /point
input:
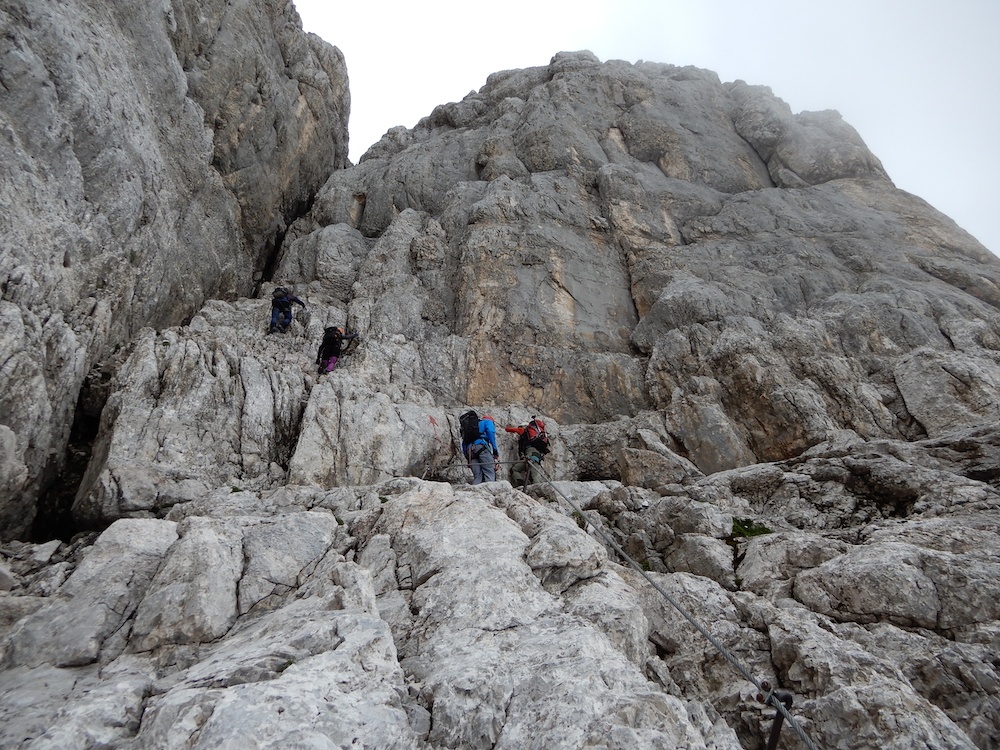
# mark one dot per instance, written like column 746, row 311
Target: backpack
column 534, row 436
column 468, row 425
column 279, row 292
column 332, row 334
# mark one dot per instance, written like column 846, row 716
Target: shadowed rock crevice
column 54, row 516
column 272, row 254
column 286, row 440
column 275, row 246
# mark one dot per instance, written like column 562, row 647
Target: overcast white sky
column 918, row 79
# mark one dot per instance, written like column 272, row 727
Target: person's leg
column 517, row 473
column 330, row 364
column 489, row 467
column 477, row 469
column 534, row 461
column 286, row 320
column 275, row 312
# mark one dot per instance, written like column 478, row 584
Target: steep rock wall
column 665, row 327
column 153, row 155
column 611, row 238
column 684, row 279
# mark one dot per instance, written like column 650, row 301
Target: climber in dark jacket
column 330, row 348
column 281, row 309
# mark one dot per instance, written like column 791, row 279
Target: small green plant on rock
column 747, row 527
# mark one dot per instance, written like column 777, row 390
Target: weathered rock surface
column 481, row 617
column 153, row 155
column 770, row 379
column 642, row 257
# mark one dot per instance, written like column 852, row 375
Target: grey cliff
column 136, row 141
column 770, row 379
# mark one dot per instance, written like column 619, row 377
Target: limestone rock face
column 193, row 411
column 153, row 155
column 437, row 616
column 769, row 380
column 666, row 242
column 276, row 100
column 95, row 600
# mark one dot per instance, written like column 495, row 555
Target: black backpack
column 279, row 292
column 468, row 425
column 332, row 336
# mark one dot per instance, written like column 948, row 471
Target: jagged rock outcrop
column 277, row 101
column 778, row 287
column 153, row 155
column 769, row 377
column 441, row 617
column 726, row 328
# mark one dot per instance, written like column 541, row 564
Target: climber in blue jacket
column 281, row 309
column 483, row 452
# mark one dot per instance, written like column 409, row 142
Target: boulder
column 75, row 626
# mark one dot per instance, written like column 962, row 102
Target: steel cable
column 729, row 656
